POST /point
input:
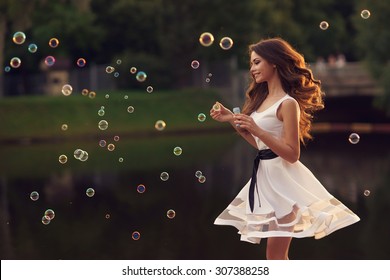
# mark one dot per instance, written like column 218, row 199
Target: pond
column 118, row 222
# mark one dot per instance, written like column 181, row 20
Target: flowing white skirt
column 290, row 202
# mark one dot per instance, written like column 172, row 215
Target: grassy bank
column 41, row 117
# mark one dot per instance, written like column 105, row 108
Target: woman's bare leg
column 277, row 248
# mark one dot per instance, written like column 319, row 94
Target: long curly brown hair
column 296, row 78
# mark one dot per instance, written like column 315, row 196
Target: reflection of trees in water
column 81, row 231
column 376, row 214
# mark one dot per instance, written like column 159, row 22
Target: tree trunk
column 2, row 42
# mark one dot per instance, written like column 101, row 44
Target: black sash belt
column 261, row 155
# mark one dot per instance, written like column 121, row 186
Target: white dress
column 290, row 201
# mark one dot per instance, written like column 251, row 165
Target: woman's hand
column 246, row 123
column 220, row 113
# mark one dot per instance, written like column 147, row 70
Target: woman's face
column 261, row 70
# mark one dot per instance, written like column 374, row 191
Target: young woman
column 283, row 199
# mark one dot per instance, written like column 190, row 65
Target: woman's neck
column 275, row 88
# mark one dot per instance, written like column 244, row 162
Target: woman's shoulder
column 289, row 104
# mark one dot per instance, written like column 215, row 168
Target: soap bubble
column 206, row 39
column 110, row 69
column 90, row 192
column 141, row 188
column 201, row 117
column 136, row 235
column 67, row 90
column 202, row 179
column 177, row 151
column 62, row 159
column 85, row 92
column 45, row 221
column 92, row 94
column 354, row 138
column 101, row 112
column 226, row 43
column 164, row 176
column 149, row 89
column 81, row 62
column 141, row 76
column 367, row 193
column 32, row 48
column 64, row 127
column 198, row 173
column 15, row 62
column 34, row 196
column 54, row 42
column 49, row 214
column 133, row 70
column 102, row 143
column 195, row 64
column 77, row 153
column 19, row 37
column 130, row 109
column 50, row 60
column 324, row 25
column 160, row 125
column 171, row 214
column 217, row 107
column 84, row 156
column 365, row 14
column 103, row 125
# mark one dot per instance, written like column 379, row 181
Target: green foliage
column 162, row 35
column 75, row 29
column 373, row 41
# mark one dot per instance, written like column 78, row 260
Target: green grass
column 32, row 139
column 41, row 117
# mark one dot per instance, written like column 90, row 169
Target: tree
column 17, row 15
column 373, row 40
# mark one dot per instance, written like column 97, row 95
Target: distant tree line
column 162, row 35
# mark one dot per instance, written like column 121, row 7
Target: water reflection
column 81, row 229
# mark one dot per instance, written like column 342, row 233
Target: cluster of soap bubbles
column 140, row 76
column 80, row 155
column 206, row 39
column 364, row 14
column 199, row 175
column 48, row 216
column 86, row 92
column 354, row 139
column 208, row 78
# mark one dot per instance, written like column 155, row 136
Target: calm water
column 101, row 227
